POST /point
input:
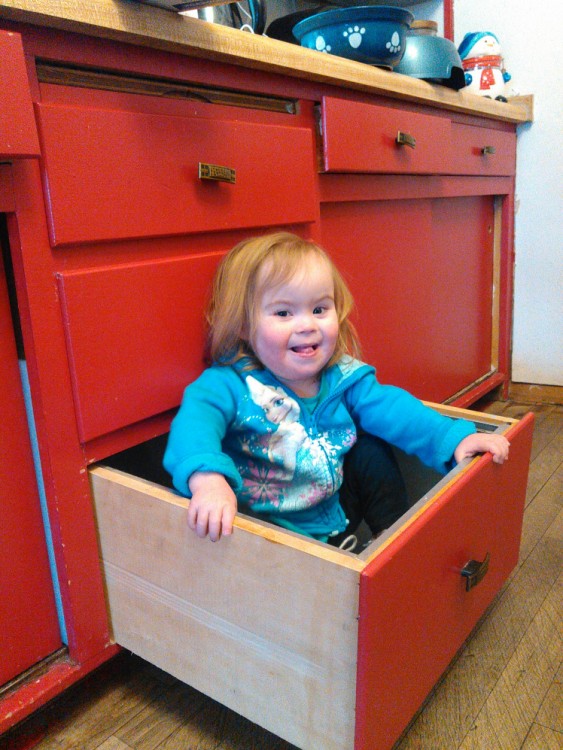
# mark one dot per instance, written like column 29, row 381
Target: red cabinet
column 115, row 232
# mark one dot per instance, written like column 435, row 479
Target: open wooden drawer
column 324, row 648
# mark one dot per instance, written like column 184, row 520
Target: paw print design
column 395, row 44
column 354, row 35
column 321, row 45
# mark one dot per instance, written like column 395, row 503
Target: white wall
column 530, row 36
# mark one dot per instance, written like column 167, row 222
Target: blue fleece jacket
column 283, row 459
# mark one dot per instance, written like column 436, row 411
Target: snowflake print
column 262, row 485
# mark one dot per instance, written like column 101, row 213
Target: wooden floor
column 503, row 691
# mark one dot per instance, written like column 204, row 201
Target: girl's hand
column 481, row 442
column 213, row 505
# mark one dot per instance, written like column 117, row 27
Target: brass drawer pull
column 474, row 571
column 488, row 150
column 216, row 173
column 405, row 139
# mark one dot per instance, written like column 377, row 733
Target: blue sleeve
column 208, row 407
column 402, row 420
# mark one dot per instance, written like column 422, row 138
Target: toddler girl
column 268, row 426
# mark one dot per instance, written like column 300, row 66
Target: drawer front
column 112, row 174
column 135, row 337
column 415, row 611
column 360, row 137
column 482, row 151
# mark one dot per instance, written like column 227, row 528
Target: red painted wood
column 414, row 610
column 135, row 337
column 421, row 275
column 113, row 174
column 360, row 137
column 336, row 188
column 64, row 467
column 481, row 389
column 7, row 201
column 61, row 674
column 467, row 151
column 449, row 19
column 18, row 132
column 29, row 629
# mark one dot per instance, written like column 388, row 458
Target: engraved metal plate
column 216, row 172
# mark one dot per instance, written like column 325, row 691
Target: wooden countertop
column 135, row 23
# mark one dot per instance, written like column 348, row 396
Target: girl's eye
column 318, row 310
column 282, row 313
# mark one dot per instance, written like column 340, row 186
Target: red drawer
column 113, row 174
column 324, row 648
column 482, row 151
column 135, row 337
column 360, row 137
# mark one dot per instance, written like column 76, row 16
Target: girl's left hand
column 481, row 442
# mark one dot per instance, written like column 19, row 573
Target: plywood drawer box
column 324, row 648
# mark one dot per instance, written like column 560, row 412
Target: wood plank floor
column 503, row 691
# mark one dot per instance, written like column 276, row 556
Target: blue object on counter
column 370, row 34
column 430, row 57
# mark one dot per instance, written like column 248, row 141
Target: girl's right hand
column 213, row 505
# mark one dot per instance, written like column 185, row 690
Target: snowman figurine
column 482, row 62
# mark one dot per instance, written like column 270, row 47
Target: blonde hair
column 239, row 284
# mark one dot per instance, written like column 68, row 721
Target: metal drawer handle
column 474, row 572
column 405, row 139
column 216, row 173
column 488, row 150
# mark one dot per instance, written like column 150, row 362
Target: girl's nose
column 305, row 322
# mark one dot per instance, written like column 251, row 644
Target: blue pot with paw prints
column 375, row 35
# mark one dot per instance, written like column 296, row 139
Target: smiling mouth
column 305, row 349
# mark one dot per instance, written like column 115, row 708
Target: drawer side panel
column 261, row 627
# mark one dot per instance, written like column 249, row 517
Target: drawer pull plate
column 217, row 173
column 474, row 571
column 405, row 139
column 488, row 150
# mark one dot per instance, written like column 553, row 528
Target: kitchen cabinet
column 115, row 231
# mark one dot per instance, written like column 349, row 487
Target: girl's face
column 297, row 327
